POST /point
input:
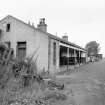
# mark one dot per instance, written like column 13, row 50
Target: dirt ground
column 86, row 87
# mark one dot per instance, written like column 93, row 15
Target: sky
column 82, row 20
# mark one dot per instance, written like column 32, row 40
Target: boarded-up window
column 21, row 50
column 54, row 53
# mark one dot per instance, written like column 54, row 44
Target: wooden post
column 67, row 59
column 79, row 57
column 75, row 57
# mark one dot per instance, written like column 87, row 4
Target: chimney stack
column 65, row 37
column 42, row 26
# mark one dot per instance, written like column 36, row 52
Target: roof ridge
column 50, row 35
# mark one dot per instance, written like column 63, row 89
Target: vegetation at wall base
column 21, row 84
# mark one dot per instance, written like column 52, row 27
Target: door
column 21, row 50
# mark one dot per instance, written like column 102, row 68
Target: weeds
column 21, row 84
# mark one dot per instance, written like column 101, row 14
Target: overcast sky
column 82, row 20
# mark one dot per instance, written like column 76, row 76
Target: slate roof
column 50, row 35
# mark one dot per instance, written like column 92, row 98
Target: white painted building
column 52, row 52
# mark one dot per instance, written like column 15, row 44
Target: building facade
column 52, row 53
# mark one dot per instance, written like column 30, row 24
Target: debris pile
column 55, row 85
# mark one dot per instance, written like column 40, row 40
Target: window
column 54, row 53
column 21, row 50
column 8, row 27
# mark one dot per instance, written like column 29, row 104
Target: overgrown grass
column 17, row 81
column 20, row 82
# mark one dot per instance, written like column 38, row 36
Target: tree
column 92, row 48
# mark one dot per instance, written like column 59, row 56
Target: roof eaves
column 50, row 35
column 62, row 40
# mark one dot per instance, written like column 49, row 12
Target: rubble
column 56, row 96
column 55, row 85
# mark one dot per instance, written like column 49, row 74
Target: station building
column 53, row 53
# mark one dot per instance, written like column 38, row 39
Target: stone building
column 52, row 53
